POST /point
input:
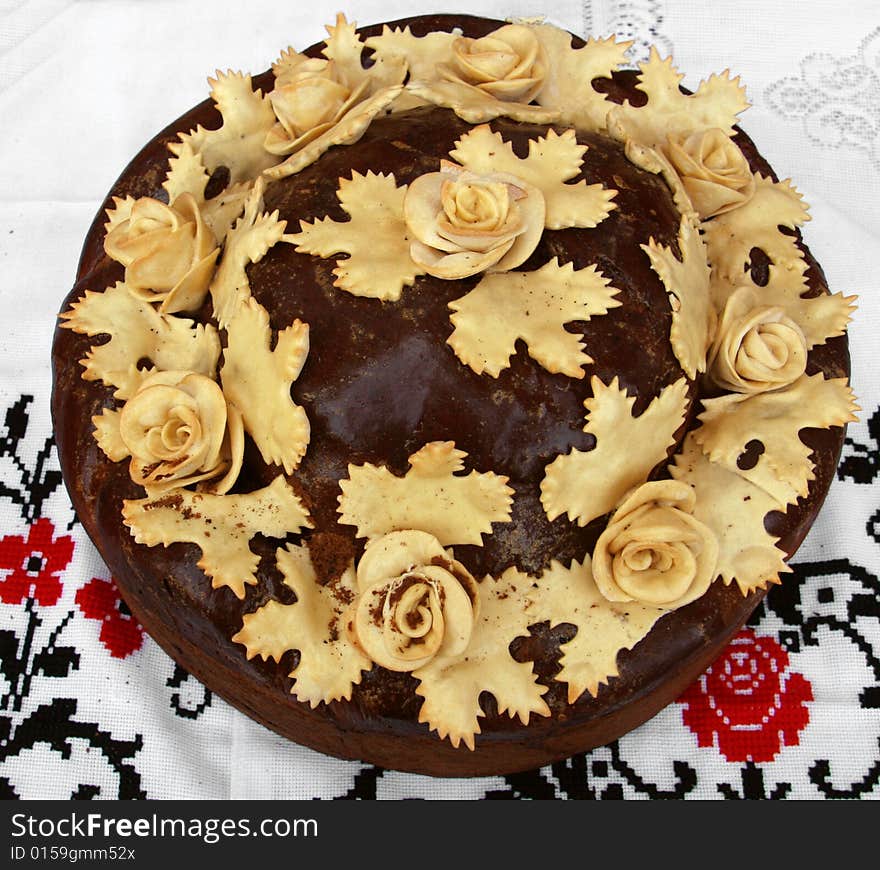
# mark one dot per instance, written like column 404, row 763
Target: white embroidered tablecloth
column 91, row 707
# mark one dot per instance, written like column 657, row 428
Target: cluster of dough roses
column 178, row 427
column 756, row 347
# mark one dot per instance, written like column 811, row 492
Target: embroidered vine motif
column 29, row 486
column 861, row 463
column 32, row 567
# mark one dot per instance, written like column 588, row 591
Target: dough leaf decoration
column 220, row 525
column 584, row 485
column 569, row 595
column 570, row 72
column 187, row 174
column 551, row 164
column 452, row 686
column 138, row 331
column 375, row 238
column 238, row 143
column 249, row 240
column 533, row 306
column 668, row 112
column 687, row 282
column 257, row 379
column 329, row 664
column 784, row 468
column 433, row 496
column 734, row 509
column 730, row 237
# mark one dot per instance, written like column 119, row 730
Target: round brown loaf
column 379, row 382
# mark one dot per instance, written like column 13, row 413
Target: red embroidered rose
column 120, row 633
column 748, row 704
column 34, row 564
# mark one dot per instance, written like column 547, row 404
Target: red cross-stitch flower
column 120, row 633
column 33, row 564
column 748, row 704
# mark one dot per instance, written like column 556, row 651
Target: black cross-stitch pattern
column 22, row 660
column 31, row 486
column 862, row 608
column 180, row 679
column 365, row 783
column 585, row 777
column 861, row 464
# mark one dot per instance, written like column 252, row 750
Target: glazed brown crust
column 379, row 382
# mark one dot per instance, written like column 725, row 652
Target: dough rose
column 309, row 97
column 414, row 602
column 653, row 551
column 713, row 170
column 464, row 223
column 181, row 430
column 757, row 347
column 168, row 252
column 509, row 63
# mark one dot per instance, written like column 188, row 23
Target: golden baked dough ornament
column 653, row 551
column 569, row 596
column 584, row 485
column 138, row 331
column 414, row 602
column 568, row 83
column 474, row 105
column 451, row 686
column 252, row 236
column 554, row 159
column 311, row 95
column 168, row 251
column 482, row 79
column 396, row 233
column 713, row 171
column 687, row 281
column 510, row 63
column 257, row 378
column 238, row 143
column 187, row 174
column 784, row 468
column 322, row 102
column 180, row 430
column 375, row 238
column 730, row 239
column 532, row 306
column 432, row 497
column 328, row 665
column 220, row 525
column 734, row 509
column 464, row 222
column 670, row 113
column 757, row 347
